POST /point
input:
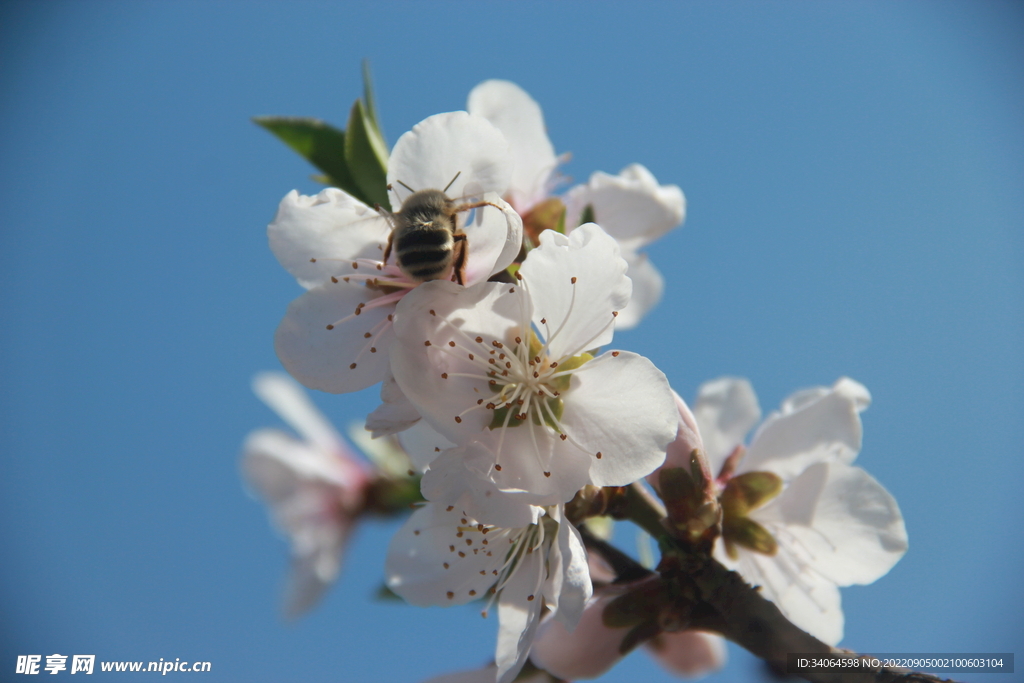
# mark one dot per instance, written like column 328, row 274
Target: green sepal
column 319, row 143
column 366, row 156
column 370, row 102
column 745, row 532
column 588, row 215
column 749, row 491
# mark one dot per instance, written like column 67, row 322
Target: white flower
column 814, row 522
column 508, row 366
column 471, row 542
column 635, row 210
column 519, row 118
column 314, row 487
column 631, row 207
column 337, row 336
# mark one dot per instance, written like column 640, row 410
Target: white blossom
column 631, row 207
column 337, row 336
column 509, row 366
column 830, row 525
column 314, row 487
column 474, row 542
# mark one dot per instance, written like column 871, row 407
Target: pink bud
column 687, row 440
column 688, row 653
column 590, row 650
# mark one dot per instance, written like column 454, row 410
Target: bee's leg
column 390, row 218
column 387, row 249
column 460, row 249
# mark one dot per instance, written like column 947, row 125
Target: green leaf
column 319, row 143
column 366, row 156
column 386, row 594
column 588, row 214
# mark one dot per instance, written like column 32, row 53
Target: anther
column 462, row 554
column 449, row 508
column 543, row 321
column 334, row 279
column 519, row 340
column 380, row 266
column 472, row 592
column 451, row 549
column 573, row 280
column 330, row 327
column 352, row 367
column 432, row 312
column 416, row 532
column 498, row 467
column 615, row 314
column 367, row 335
column 459, row 419
column 355, row 266
column 373, row 349
column 530, row 597
column 450, row 595
column 390, row 317
column 479, row 340
column 471, row 356
column 615, row 354
column 519, row 276
column 346, row 278
column 599, row 455
column 426, row 343
column 444, row 375
column 563, row 437
column 446, row 565
column 511, row 290
column 553, row 365
column 451, row 344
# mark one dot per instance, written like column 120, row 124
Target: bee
column 425, row 236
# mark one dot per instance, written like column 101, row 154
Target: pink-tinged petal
column 620, row 405
column 436, row 149
column 458, row 476
column 444, row 313
column 688, row 653
column 310, row 577
column 589, row 650
column 494, row 237
column 648, row 286
column 396, row 413
column 422, row 443
column 318, row 237
column 519, row 118
column 845, row 522
column 282, row 394
column 725, row 410
column 577, row 284
column 826, row 429
column 804, row 596
column 428, row 563
column 352, row 354
column 631, row 206
column 677, row 454
column 519, row 608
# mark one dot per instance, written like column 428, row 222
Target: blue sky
column 854, row 177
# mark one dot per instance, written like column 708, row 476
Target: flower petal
column 287, row 399
column 396, row 413
column 570, row 590
column 648, row 286
column 317, row 237
column 444, row 313
column 725, row 410
column 577, row 283
column 459, row 476
column 824, row 429
column 520, row 120
column 620, row 405
column 589, row 650
column 677, row 453
column 846, row 523
column 436, row 149
column 631, row 207
column 343, row 358
column 428, row 564
column 519, row 608
column 494, row 238
column 804, row 596
column 422, row 443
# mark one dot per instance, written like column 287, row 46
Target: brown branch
column 709, row 596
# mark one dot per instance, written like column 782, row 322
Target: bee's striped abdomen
column 424, row 251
